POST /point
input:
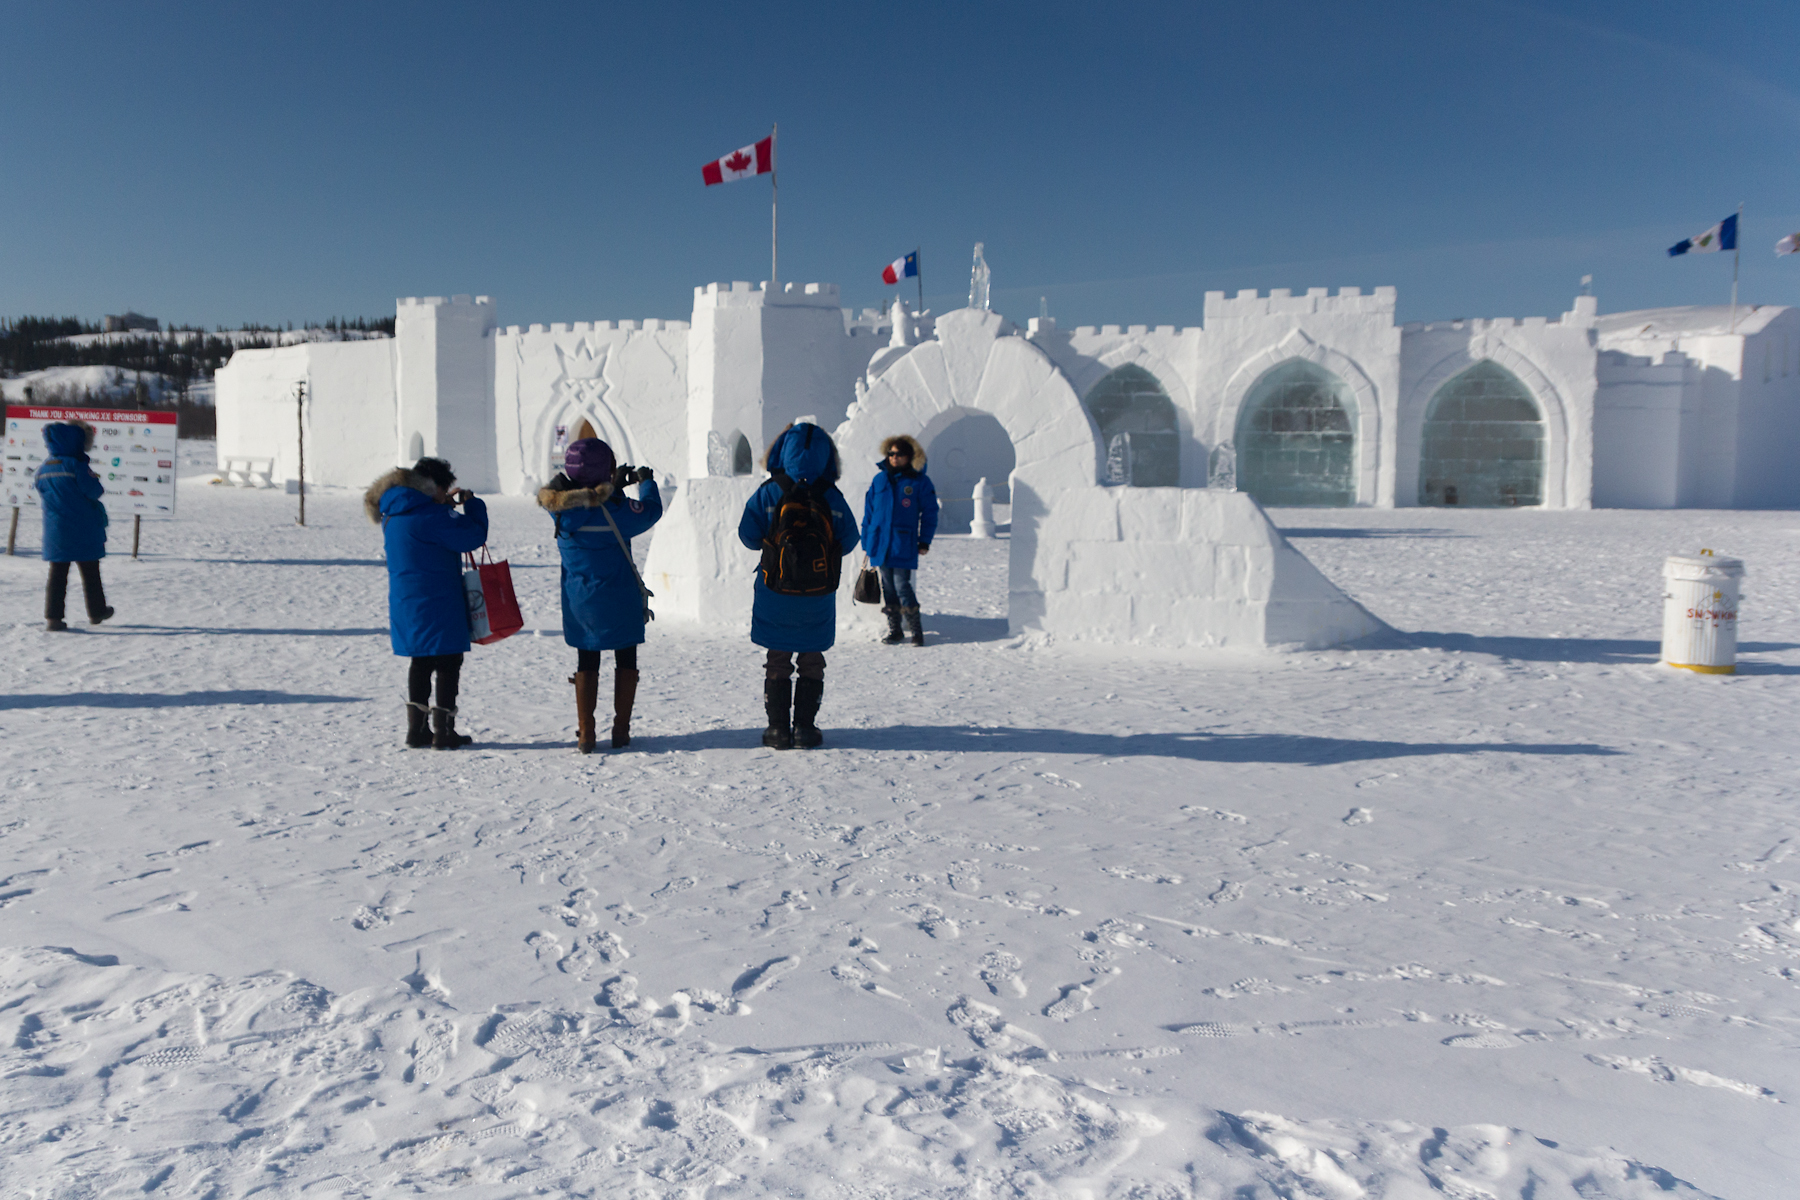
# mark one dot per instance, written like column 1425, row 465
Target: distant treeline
column 183, row 354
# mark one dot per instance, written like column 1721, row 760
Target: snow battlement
column 1248, row 303
column 741, row 294
column 1037, row 325
column 1478, row 324
column 441, row 302
column 647, row 325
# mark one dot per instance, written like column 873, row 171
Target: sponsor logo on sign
column 134, row 492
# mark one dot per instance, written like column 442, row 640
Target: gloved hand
column 621, row 476
column 924, row 547
column 644, row 474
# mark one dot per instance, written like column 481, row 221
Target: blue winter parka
column 602, row 608
column 74, row 518
column 427, row 614
column 900, row 513
column 804, row 454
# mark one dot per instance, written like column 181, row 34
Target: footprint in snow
column 931, row 919
column 760, row 979
column 1002, row 970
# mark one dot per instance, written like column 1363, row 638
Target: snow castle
column 1135, row 459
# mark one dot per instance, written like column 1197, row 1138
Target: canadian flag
column 751, row 160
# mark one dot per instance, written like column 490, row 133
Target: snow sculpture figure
column 902, row 335
column 979, row 279
column 1221, row 468
column 718, row 454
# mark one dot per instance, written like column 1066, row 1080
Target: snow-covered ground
column 1508, row 911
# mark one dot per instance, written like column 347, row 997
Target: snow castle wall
column 696, row 566
column 350, row 407
column 1183, row 567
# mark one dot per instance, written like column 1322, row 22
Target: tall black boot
column 778, row 697
column 443, row 730
column 418, row 727
column 915, row 624
column 807, row 695
column 894, row 636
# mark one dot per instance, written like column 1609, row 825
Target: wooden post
column 137, row 527
column 12, row 532
column 300, row 415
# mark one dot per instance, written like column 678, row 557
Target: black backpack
column 800, row 554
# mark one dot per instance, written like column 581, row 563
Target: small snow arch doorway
column 973, row 446
column 1484, row 442
column 1296, row 438
column 743, row 459
column 1138, row 430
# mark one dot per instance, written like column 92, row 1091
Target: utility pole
column 300, row 415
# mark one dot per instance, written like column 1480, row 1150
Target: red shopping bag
column 493, row 609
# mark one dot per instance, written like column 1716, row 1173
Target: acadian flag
column 1788, row 245
column 1722, row 236
column 758, row 159
column 901, row 268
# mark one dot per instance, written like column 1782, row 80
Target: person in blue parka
column 900, row 516
column 428, row 618
column 74, row 521
column 803, row 466
column 603, row 600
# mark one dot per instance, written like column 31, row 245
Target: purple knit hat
column 589, row 462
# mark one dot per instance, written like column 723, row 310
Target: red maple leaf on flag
column 738, row 161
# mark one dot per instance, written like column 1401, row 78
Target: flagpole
column 774, row 202
column 919, row 276
column 1735, row 243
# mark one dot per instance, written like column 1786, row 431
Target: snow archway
column 977, row 363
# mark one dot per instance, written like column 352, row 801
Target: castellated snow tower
column 445, row 384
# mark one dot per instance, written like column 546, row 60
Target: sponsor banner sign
column 133, row 454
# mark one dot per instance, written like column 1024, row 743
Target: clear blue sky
column 217, row 163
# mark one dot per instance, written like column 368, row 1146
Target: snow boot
column 443, row 730
column 915, row 625
column 778, row 696
column 103, row 615
column 587, row 696
column 894, row 636
column 624, row 696
column 53, row 625
column 807, row 694
column 418, row 725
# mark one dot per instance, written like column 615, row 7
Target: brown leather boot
column 587, row 689
column 624, row 696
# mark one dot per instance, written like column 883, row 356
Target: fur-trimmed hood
column 398, row 477
column 910, row 442
column 563, row 499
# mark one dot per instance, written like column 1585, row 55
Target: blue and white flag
column 1722, row 236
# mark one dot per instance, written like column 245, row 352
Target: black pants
column 448, row 668
column 624, row 658
column 57, row 590
column 780, row 665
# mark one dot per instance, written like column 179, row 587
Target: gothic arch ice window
column 1138, row 430
column 1484, row 442
column 743, row 459
column 1296, row 438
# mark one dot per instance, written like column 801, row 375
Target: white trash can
column 1700, row 612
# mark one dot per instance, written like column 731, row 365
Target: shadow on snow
column 1200, row 747
column 169, row 700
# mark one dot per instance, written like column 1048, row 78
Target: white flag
column 1788, row 245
